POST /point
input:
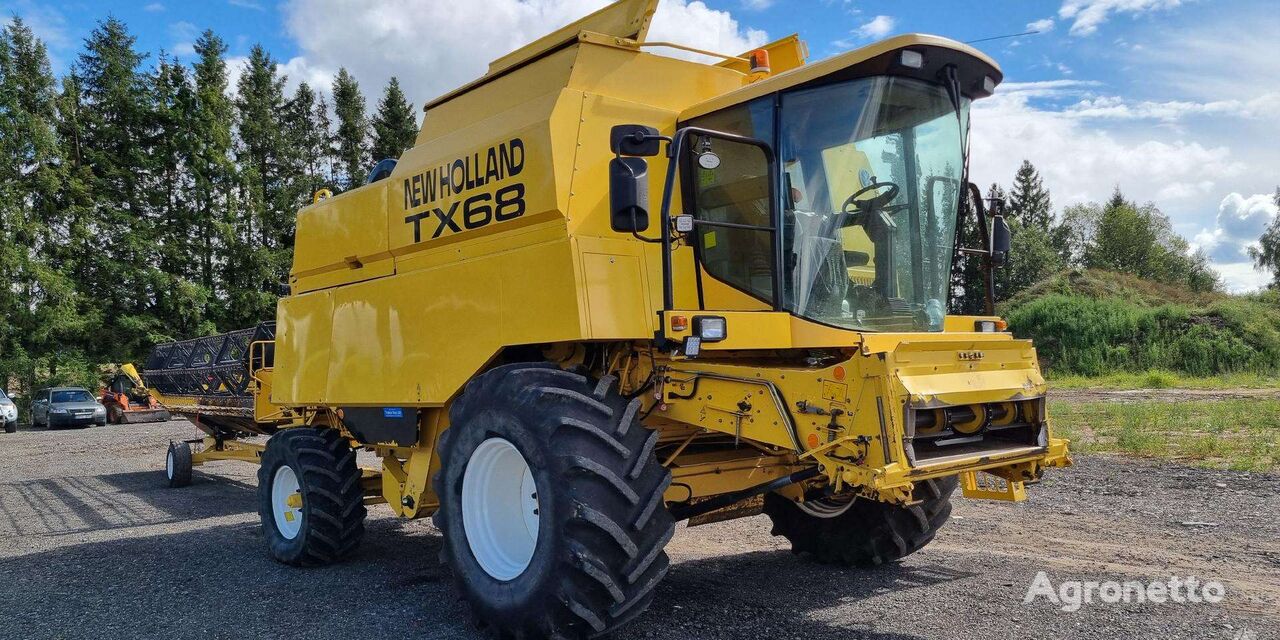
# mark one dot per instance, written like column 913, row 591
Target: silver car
column 8, row 413
column 66, row 407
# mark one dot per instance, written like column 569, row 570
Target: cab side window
column 735, row 192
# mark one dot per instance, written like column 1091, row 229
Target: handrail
column 675, row 151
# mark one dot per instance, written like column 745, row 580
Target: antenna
column 1012, row 35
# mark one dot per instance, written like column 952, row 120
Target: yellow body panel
column 494, row 231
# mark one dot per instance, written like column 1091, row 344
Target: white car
column 8, row 413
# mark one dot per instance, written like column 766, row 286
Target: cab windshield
column 871, row 179
column 871, row 172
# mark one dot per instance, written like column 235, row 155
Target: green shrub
column 1106, row 329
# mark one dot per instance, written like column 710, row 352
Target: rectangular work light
column 710, row 328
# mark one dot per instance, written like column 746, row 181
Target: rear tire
column 594, row 552
column 324, row 523
column 862, row 533
column 177, row 464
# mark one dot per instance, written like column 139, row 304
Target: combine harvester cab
column 608, row 290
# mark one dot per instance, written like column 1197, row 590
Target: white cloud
column 877, row 27
column 434, row 46
column 184, row 33
column 247, row 4
column 154, row 7
column 757, row 5
column 1266, row 105
column 1230, row 55
column 1042, row 26
column 1171, row 153
column 1240, row 222
column 1088, row 15
column 1081, row 162
column 1240, row 277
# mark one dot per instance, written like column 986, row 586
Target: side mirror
column 634, row 140
column 629, row 194
column 999, row 241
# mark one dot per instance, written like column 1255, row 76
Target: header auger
column 608, row 290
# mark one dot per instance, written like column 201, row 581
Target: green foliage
column 1095, row 324
column 1032, row 258
column 1029, row 201
column 139, row 202
column 352, row 139
column 394, row 126
column 1266, row 255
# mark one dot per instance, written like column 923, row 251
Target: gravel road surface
column 94, row 545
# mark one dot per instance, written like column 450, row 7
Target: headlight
column 710, row 328
column 100, row 409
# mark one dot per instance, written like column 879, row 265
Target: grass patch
column 1232, row 434
column 1162, row 379
column 1095, row 323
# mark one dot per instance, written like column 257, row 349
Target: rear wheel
column 551, row 503
column 859, row 532
column 310, row 500
column 177, row 464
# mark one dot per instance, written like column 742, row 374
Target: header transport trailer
column 609, row 290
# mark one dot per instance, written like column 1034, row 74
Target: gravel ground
column 95, row 546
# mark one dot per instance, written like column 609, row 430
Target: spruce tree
column 394, row 125
column 352, row 140
column 181, row 300
column 212, row 170
column 307, row 136
column 1028, row 200
column 257, row 267
column 117, row 142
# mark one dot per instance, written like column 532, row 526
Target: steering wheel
column 873, row 203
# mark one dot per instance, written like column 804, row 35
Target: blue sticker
column 392, row 412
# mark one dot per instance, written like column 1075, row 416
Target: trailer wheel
column 177, row 464
column 551, row 503
column 860, row 532
column 309, row 497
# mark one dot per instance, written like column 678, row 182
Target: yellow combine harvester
column 608, row 290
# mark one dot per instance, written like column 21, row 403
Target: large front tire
column 861, row 532
column 597, row 527
column 309, row 497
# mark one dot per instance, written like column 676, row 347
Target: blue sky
column 1177, row 101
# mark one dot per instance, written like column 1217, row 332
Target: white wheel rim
column 500, row 509
column 827, row 507
column 168, row 463
column 288, row 516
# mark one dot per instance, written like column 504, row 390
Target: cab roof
column 879, row 58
